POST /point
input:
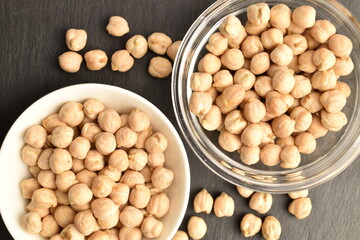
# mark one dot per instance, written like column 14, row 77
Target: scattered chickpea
column 173, row 49
column 31, row 222
column 224, row 206
column 160, row 67
column 70, row 61
column 250, row 225
column 121, row 61
column 203, row 202
column 271, row 228
column 260, row 63
column 159, row 43
column 322, row 30
column 76, row 39
column 196, row 228
column 261, row 202
column 270, row 154
column 137, row 46
column 151, row 227
column 302, row 193
column 117, row 26
column 244, row 192
column 300, row 207
column 290, row 157
column 280, row 16
column 95, row 59
column 180, row 235
column 209, row 64
column 333, row 121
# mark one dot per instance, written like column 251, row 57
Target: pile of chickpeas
column 96, row 174
column 271, row 87
column 122, row 60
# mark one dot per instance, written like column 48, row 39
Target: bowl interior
column 13, row 170
column 330, row 149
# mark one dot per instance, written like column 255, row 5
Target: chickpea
column 49, row 226
column 127, row 233
column 245, row 78
column 99, row 235
column 196, row 227
column 282, row 55
column 62, row 197
column 340, row 45
column 260, row 63
column 71, row 113
column 92, row 108
column 131, row 217
column 224, row 106
column 312, row 102
column 36, row 136
column 70, row 61
column 34, row 170
column 71, row 233
column 105, row 142
column 156, row 143
column 322, row 30
column 290, row 157
column 235, row 42
column 46, row 179
column 117, row 26
column 306, row 63
column 286, row 141
column 253, row 29
column 217, row 44
column 302, row 87
column 142, row 136
column 151, row 228
column 344, row 88
column 31, row 222
column 283, row 81
column 76, row 39
column 271, row 228
column 121, row 61
column 274, row 68
column 312, row 43
column 261, row 202
column 120, row 193
column 85, row 176
column 159, row 205
column 159, row 43
column 234, row 122
column 137, row 46
column 140, row 196
column 302, row 117
column 137, row 159
column 251, row 46
column 343, row 67
column 254, row 110
column 103, row 208
column 160, row 67
column 305, row 142
column 60, row 161
column 294, row 64
column 212, row 120
column 316, row 128
column 304, row 16
column 231, row 27
column 85, row 222
column 249, row 94
column 180, row 235
column 28, row 186
column 64, row 215
column 277, row 103
column 173, row 50
column 233, row 95
column 200, row 82
column 270, row 155
column 203, row 202
column 228, row 141
column 300, row 207
column 224, row 206
column 52, row 121
column 249, row 155
column 263, row 85
column 125, row 137
column 110, row 222
column 295, row 29
column 95, row 59
column 162, row 177
column 61, row 137
column 333, row 101
column 79, row 148
column 324, row 59
column 333, row 121
column 252, row 135
column 80, row 194
column 132, row 178
column 233, row 59
column 271, row 38
column 43, row 212
column 89, row 130
column 244, row 192
column 209, row 64
column 299, row 194
column 156, row 160
column 118, row 160
column 102, row 186
column 222, row 79
column 146, row 172
column 268, row 136
column 94, row 161
column 30, row 155
column 280, row 16
column 138, row 120
column 250, row 225
column 258, row 14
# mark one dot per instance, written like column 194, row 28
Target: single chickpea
column 233, row 95
column 132, row 178
column 209, row 64
column 105, row 142
column 299, row 194
column 159, row 42
column 224, row 106
column 271, row 38
column 244, row 192
column 138, row 120
column 62, row 197
column 103, row 208
column 34, row 170
column 137, row 46
column 256, row 30
column 233, row 59
column 70, row 61
column 285, row 142
column 30, row 155
column 71, row 113
column 212, row 120
column 99, row 235
column 261, row 202
column 117, row 26
column 302, row 117
column 252, row 135
column 322, row 30
column 224, row 206
column 113, row 173
column 46, row 179
column 281, row 55
column 92, row 107
column 306, row 63
column 283, row 81
column 127, row 233
column 89, row 130
column 94, row 161
column 120, row 193
column 231, row 27
column 249, row 94
column 131, row 217
column 333, row 101
column 268, row 136
column 249, row 155
column 274, row 68
column 49, row 226
column 344, row 88
column 140, row 196
column 64, row 215
column 340, row 45
column 60, row 161
column 304, row 16
column 245, row 78
column 324, row 59
column 61, row 137
column 142, row 136
column 316, row 128
column 125, row 137
column 118, row 160
column 235, row 42
column 254, row 110
column 222, row 79
column 173, row 49
column 28, row 187
column 52, row 121
column 343, row 67
column 138, row 158
column 196, row 227
column 160, row 67
column 295, row 29
column 312, row 102
column 294, row 64
column 200, row 103
column 159, row 205
column 31, row 222
column 300, row 207
column 228, row 141
column 305, row 142
column 263, row 85
column 333, row 121
column 71, row 233
column 180, row 235
column 270, row 155
column 271, row 228
column 102, row 186
column 203, row 202
column 109, row 223
column 86, row 177
column 234, row 122
column 36, row 136
column 217, row 44
column 302, row 87
column 146, row 172
column 75, row 39
column 200, row 82
column 251, row 46
column 312, row 43
column 260, row 63
column 280, row 16
column 95, row 59
column 151, row 227
column 121, row 61
column 162, row 177
column 156, row 160
column 258, row 13
column 156, row 143
column 43, row 212
column 290, row 157
column 250, row 225
column 79, row 148
column 276, row 103
column 85, row 222
column 80, row 194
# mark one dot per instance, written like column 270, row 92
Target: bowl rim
column 208, row 158
column 106, row 87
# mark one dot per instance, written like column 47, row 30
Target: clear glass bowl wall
column 334, row 152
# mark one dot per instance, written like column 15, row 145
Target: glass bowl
column 334, row 152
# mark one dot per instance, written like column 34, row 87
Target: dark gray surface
column 32, row 36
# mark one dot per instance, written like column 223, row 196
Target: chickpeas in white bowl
column 83, row 185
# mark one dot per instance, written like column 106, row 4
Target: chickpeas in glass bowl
column 328, row 150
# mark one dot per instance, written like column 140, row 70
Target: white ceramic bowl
column 13, row 170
